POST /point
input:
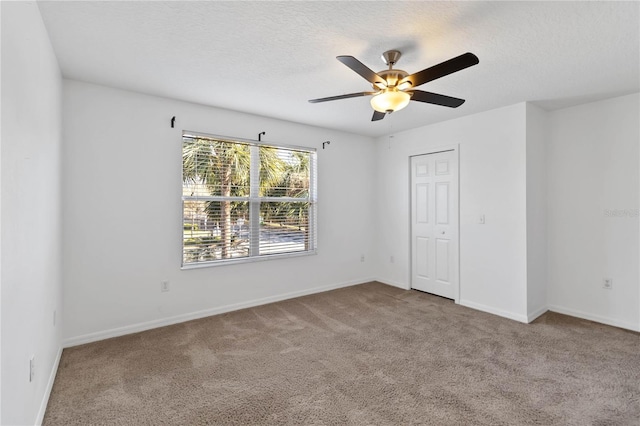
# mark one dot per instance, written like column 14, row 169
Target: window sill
column 236, row 261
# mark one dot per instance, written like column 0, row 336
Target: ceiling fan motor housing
column 392, row 77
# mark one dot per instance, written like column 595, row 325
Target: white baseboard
column 597, row 318
column 404, row 286
column 135, row 328
column 148, row 325
column 494, row 311
column 47, row 391
column 535, row 314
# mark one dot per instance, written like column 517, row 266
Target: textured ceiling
column 269, row 58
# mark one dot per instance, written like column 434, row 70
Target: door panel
column 422, row 170
column 422, row 252
column 442, row 260
column 434, row 223
column 442, row 167
column 422, row 203
column 442, row 203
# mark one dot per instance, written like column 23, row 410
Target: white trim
column 148, row 325
column 535, row 314
column 47, row 391
column 456, row 290
column 596, row 318
column 494, row 311
column 247, row 259
column 404, row 286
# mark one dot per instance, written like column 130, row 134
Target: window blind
column 244, row 200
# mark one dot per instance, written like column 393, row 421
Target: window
column 244, row 200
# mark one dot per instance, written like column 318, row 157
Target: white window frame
column 254, row 200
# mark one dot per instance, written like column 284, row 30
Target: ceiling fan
column 393, row 88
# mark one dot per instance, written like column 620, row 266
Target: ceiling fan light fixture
column 404, row 85
column 390, row 100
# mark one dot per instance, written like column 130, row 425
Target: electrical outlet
column 164, row 286
column 607, row 283
column 32, row 368
column 362, row 258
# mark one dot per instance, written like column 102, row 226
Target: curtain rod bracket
column 173, row 121
column 327, row 143
column 260, row 136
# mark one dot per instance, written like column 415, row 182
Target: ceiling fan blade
column 335, row 98
column 434, row 98
column 458, row 63
column 377, row 115
column 363, row 70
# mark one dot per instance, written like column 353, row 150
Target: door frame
column 456, row 269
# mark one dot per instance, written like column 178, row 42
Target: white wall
column 593, row 168
column 537, row 139
column 493, row 268
column 30, row 218
column 123, row 220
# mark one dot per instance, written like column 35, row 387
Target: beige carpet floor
column 365, row 355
